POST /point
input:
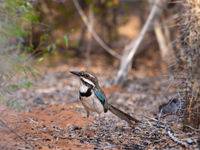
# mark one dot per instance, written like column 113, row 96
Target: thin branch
column 13, row 131
column 175, row 139
column 127, row 59
column 197, row 130
column 89, row 43
column 93, row 33
column 162, row 40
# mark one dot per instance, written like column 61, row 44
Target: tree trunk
column 190, row 43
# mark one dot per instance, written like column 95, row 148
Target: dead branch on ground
column 14, row 132
column 175, row 139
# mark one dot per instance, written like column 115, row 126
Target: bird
column 172, row 107
column 93, row 98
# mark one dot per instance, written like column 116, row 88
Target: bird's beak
column 75, row 73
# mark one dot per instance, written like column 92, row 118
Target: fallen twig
column 175, row 139
column 197, row 130
column 93, row 33
column 13, row 131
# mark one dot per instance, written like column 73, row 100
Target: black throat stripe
column 87, row 94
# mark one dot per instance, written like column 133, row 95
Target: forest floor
column 53, row 118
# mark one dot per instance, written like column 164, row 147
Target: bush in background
column 16, row 19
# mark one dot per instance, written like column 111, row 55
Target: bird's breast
column 92, row 103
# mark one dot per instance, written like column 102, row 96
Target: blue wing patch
column 101, row 98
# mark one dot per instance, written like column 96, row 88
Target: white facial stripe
column 88, row 81
column 91, row 75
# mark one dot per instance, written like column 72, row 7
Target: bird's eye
column 87, row 75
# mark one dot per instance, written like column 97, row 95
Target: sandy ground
column 53, row 118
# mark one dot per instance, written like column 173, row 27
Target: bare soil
column 53, row 118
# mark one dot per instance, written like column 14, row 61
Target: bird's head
column 87, row 78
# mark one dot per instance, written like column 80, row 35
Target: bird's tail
column 122, row 115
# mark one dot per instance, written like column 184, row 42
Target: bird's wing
column 101, row 97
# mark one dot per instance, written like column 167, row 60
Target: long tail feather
column 122, row 115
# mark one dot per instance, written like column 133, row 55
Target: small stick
column 13, row 131
column 175, row 139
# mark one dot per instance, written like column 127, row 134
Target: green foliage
column 66, row 41
column 96, row 10
column 44, row 37
column 16, row 21
column 109, row 3
column 53, row 48
column 50, row 48
column 75, row 43
column 14, row 75
column 144, row 3
column 126, row 6
column 70, row 53
column 88, row 2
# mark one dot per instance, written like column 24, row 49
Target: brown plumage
column 122, row 115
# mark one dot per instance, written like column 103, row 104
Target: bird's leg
column 99, row 116
column 87, row 117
